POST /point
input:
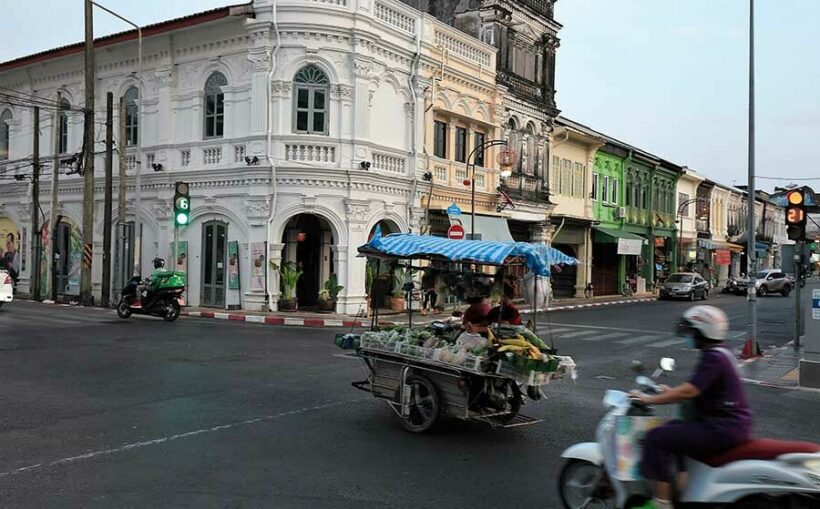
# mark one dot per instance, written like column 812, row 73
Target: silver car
column 773, row 281
column 685, row 285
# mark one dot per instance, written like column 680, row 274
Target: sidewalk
column 311, row 319
column 779, row 367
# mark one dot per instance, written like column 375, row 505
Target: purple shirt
column 722, row 400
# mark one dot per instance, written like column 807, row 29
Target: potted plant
column 327, row 297
column 397, row 295
column 289, row 277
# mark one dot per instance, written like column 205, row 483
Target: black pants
column 430, row 297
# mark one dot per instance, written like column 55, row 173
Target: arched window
column 131, row 116
column 311, row 91
column 515, row 142
column 215, row 105
column 64, row 107
column 5, row 118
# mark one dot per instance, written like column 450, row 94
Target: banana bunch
column 520, row 346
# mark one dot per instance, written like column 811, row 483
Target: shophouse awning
column 719, row 244
column 628, row 243
column 491, row 228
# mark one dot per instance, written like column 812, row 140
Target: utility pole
column 55, row 175
column 121, row 144
column 751, row 253
column 109, row 163
column 88, row 160
column 35, row 210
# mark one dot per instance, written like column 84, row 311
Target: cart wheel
column 425, row 405
column 515, row 405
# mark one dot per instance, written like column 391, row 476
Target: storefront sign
column 630, row 247
column 10, row 248
column 723, row 257
column 233, row 265
column 257, row 266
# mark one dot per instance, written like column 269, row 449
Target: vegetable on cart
column 425, row 372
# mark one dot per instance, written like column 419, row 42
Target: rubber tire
column 763, row 291
column 123, row 311
column 786, row 291
column 174, row 313
column 431, row 421
column 705, row 295
column 562, row 478
column 759, row 503
column 515, row 407
column 692, row 296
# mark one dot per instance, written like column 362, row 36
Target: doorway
column 564, row 277
column 214, row 241
column 62, row 257
column 308, row 244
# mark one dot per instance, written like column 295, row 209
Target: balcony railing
column 528, row 187
column 543, row 7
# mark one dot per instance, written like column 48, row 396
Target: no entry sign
column 456, row 232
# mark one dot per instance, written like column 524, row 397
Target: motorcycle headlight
column 813, row 465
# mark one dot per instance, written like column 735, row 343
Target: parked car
column 6, row 288
column 688, row 285
column 773, row 281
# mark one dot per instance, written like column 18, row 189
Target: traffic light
column 796, row 215
column 182, row 204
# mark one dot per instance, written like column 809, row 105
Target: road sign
column 453, row 210
column 456, row 232
column 815, row 304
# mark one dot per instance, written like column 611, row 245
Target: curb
column 277, row 320
column 575, row 307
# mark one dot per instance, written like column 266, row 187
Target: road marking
column 157, row 441
column 602, row 337
column 558, row 331
column 664, row 344
column 637, row 339
column 577, row 334
column 607, row 328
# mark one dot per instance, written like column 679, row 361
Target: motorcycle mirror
column 668, row 364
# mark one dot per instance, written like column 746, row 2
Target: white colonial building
column 293, row 121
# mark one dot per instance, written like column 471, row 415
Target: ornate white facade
column 364, row 112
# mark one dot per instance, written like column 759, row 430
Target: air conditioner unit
column 621, row 213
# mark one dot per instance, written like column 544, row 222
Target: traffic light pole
column 176, row 246
column 798, row 301
column 751, row 254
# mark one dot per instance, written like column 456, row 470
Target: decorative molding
column 357, row 210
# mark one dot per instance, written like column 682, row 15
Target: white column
column 274, row 258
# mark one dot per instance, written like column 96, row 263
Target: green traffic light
column 182, row 218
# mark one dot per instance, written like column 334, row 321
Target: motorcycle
column 761, row 473
column 165, row 300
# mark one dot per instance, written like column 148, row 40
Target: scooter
column 758, row 474
column 164, row 301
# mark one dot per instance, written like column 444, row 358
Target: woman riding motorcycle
column 715, row 391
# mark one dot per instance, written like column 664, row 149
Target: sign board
column 723, row 257
column 630, row 247
column 456, row 232
column 233, row 265
column 453, row 210
column 815, row 304
column 257, row 266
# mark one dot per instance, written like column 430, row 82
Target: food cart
column 436, row 370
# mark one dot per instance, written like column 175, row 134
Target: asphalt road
column 100, row 412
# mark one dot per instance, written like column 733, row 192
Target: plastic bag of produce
column 470, row 340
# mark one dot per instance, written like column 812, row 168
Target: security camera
column 365, row 165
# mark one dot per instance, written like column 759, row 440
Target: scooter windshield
column 615, row 398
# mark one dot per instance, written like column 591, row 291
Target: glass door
column 214, row 242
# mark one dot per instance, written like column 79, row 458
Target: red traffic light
column 795, row 215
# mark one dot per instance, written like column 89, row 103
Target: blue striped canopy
column 537, row 257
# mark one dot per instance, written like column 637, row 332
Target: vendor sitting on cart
column 506, row 313
column 476, row 313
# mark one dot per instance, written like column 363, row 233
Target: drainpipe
column 269, row 141
column 411, row 81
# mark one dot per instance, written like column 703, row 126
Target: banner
column 10, row 248
column 181, row 263
column 723, row 257
column 233, row 265
column 630, row 247
column 257, row 266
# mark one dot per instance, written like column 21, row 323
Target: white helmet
column 711, row 322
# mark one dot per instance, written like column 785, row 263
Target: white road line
column 611, row 335
column 554, row 324
column 578, row 334
column 558, row 331
column 671, row 342
column 637, row 339
column 157, row 441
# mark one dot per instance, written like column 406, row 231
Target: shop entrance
column 62, row 257
column 214, row 241
column 308, row 242
column 564, row 277
column 605, row 268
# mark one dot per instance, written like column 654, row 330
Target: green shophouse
column 634, row 208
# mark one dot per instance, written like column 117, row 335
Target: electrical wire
column 788, row 178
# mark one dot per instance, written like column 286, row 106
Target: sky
column 668, row 76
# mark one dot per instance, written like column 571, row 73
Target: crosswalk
column 27, row 317
column 621, row 338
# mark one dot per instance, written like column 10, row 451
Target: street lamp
column 680, row 223
column 138, row 190
column 471, row 163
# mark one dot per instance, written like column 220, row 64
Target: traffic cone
column 750, row 350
